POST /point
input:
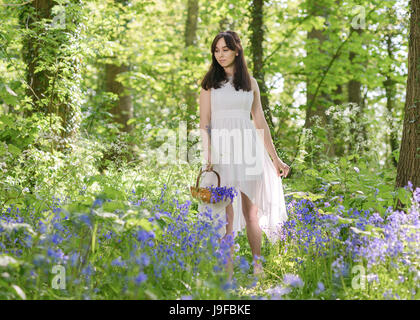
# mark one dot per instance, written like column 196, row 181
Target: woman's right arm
column 205, row 124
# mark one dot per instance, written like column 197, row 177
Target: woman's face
column 223, row 54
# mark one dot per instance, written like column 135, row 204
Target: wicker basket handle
column 209, row 170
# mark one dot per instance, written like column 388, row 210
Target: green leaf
column 19, row 292
column 114, row 205
column 6, row 260
column 358, row 231
column 103, row 215
column 6, row 120
column 312, row 172
column 10, row 91
column 342, row 220
column 404, row 196
column 112, row 193
column 132, row 120
column 144, row 223
column 14, row 150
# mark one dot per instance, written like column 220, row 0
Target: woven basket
column 203, row 194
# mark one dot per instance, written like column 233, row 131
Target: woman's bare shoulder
column 254, row 83
column 205, row 91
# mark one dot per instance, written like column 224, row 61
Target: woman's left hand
column 281, row 168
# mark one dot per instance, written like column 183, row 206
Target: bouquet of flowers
column 219, row 194
column 217, row 198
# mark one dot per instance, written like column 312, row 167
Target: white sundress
column 233, row 134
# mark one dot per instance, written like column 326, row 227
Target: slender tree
column 354, row 89
column 408, row 168
column 122, row 109
column 390, row 93
column 52, row 66
column 317, row 106
column 190, row 36
column 390, row 84
column 257, row 52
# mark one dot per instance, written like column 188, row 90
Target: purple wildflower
column 141, row 278
column 293, row 280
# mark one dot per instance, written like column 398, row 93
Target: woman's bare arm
column 205, row 123
column 260, row 122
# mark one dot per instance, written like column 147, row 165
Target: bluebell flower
column 56, row 254
column 143, row 235
column 118, row 262
column 278, row 291
column 320, row 288
column 144, row 260
column 340, row 268
column 388, row 294
column 292, row 280
column 88, row 270
column 39, row 260
column 410, row 185
column 229, row 285
column 141, row 277
column 244, row 265
column 86, row 219
column 216, row 268
column 56, row 238
column 372, row 277
column 74, row 258
column 98, row 202
column 42, row 227
column 58, row 226
column 28, row 241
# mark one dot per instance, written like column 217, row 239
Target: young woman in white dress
column 228, row 97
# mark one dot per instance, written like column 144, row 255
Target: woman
column 228, row 97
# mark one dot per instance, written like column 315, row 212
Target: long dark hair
column 216, row 74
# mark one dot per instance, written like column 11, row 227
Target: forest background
column 99, row 100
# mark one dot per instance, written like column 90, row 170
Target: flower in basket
column 221, row 194
column 215, row 197
column 220, row 198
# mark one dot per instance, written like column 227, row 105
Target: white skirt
column 259, row 182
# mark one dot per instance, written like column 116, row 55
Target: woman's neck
column 229, row 73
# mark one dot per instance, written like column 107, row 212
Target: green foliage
column 63, row 141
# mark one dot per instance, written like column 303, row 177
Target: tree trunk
column 408, row 168
column 50, row 89
column 339, row 148
column 38, row 82
column 123, row 109
column 190, row 39
column 390, row 92
column 257, row 39
column 355, row 97
column 322, row 103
